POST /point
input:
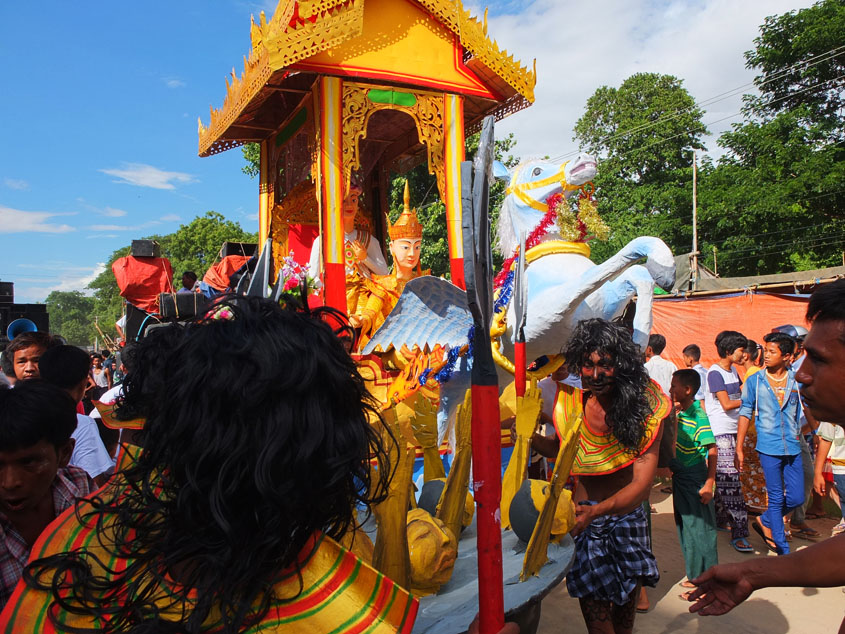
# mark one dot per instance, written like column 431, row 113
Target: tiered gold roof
column 300, row 29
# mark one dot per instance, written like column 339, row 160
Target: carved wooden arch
column 427, row 114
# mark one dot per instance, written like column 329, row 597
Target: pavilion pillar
column 332, row 190
column 455, row 152
column 264, row 193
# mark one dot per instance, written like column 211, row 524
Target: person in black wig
column 257, row 445
column 622, row 411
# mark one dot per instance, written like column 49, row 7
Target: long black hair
column 629, row 409
column 258, row 433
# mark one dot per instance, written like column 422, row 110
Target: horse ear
column 500, row 171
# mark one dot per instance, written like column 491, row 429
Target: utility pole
column 715, row 263
column 694, row 272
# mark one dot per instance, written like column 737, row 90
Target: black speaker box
column 145, row 249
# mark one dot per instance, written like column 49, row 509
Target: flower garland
column 533, row 238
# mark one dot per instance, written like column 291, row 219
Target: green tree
column 192, row 247
column 774, row 201
column 643, row 134
column 72, row 317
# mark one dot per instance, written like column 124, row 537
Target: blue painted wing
column 429, row 311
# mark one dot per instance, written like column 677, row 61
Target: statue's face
column 406, row 252
column 350, row 204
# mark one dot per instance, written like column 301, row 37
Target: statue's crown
column 406, row 226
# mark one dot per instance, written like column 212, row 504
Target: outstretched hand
column 720, row 589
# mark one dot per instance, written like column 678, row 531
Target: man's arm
column 726, row 402
column 723, row 587
column 706, row 492
column 741, row 432
column 822, row 450
column 629, row 496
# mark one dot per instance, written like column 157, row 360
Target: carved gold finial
column 406, row 226
column 484, row 28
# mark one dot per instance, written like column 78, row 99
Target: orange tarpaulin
column 699, row 319
column 217, row 276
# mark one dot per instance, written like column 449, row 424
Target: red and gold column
column 332, row 187
column 454, row 151
column 264, row 191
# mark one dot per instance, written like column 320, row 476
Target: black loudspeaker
column 145, row 249
column 7, row 292
column 238, row 248
column 181, row 305
column 137, row 321
column 36, row 313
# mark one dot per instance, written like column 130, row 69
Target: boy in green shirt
column 693, row 478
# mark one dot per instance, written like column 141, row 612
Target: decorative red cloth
column 142, row 280
column 217, row 276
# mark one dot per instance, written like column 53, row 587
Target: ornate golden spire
column 406, row 226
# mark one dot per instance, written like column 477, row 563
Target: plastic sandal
column 770, row 543
column 742, row 546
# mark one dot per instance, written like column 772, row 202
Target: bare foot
column 687, row 584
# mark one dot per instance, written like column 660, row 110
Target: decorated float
column 340, row 94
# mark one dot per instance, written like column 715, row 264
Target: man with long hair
column 616, row 461
column 255, row 454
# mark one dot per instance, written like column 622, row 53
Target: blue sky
column 100, row 105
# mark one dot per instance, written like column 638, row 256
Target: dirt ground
column 771, row 610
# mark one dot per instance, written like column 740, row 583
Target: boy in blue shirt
column 693, row 478
column 772, row 397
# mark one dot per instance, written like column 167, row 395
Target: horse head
column 531, row 184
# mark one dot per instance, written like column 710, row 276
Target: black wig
column 629, row 410
column 258, row 433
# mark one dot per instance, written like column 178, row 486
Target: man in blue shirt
column 771, row 396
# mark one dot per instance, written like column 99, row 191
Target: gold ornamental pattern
column 427, row 114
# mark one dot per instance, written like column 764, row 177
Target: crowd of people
column 229, row 512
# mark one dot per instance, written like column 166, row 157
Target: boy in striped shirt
column 693, row 478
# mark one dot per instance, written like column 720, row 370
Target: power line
column 721, row 97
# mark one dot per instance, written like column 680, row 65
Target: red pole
column 487, row 483
column 519, row 367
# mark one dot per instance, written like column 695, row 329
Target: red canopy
column 141, row 280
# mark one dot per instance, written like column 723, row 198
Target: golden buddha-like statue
column 384, row 290
column 362, row 254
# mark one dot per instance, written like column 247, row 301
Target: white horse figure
column 564, row 288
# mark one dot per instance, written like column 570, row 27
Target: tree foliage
column 72, row 317
column 774, row 202
column 643, row 134
column 192, row 247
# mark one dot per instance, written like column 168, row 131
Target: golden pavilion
column 339, row 89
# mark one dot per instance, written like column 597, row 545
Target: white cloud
column 173, row 82
column 148, row 176
column 73, row 278
column 145, row 225
column 701, row 43
column 170, row 218
column 16, row 183
column 111, row 212
column 17, row 221
column 101, row 235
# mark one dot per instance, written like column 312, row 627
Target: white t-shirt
column 108, row 397
column 702, row 389
column 89, row 453
column 836, row 436
column 661, row 370
column 718, row 380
